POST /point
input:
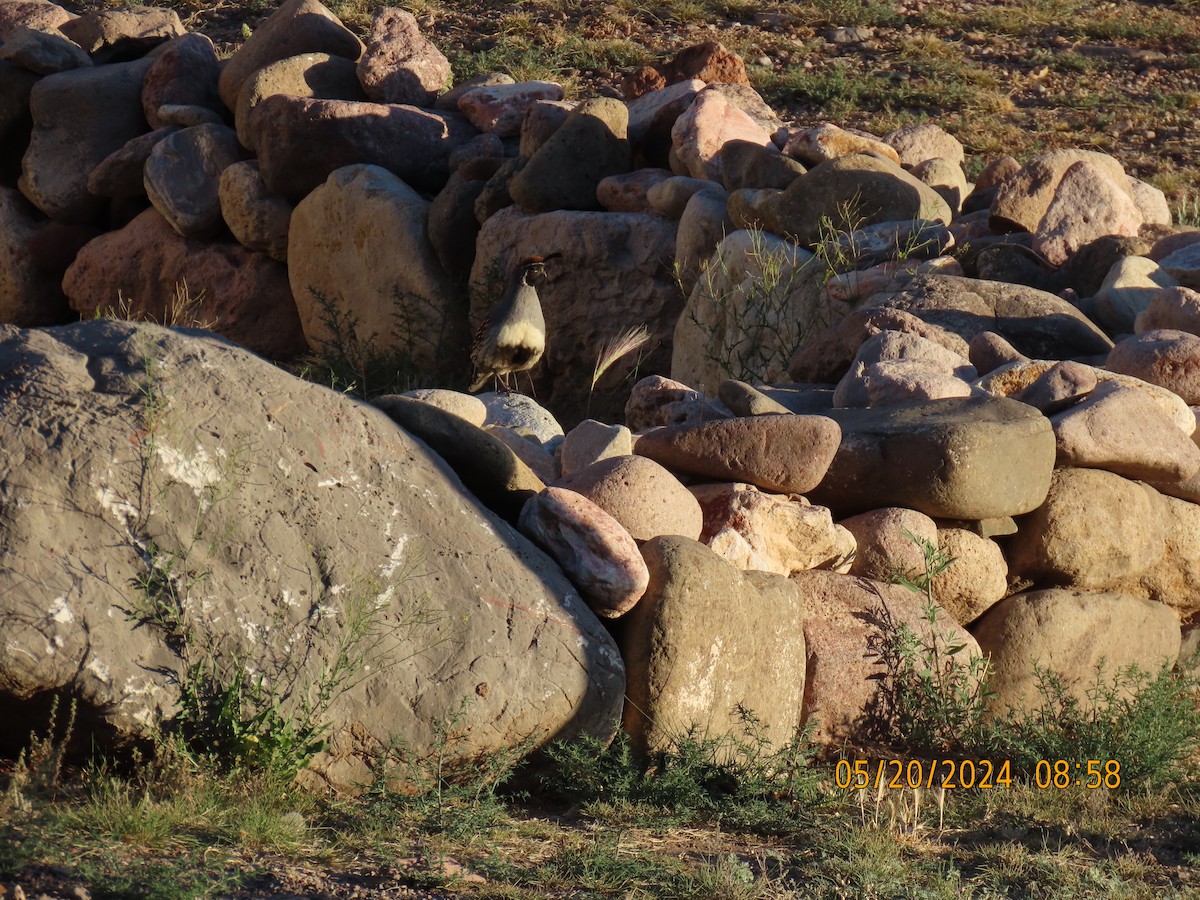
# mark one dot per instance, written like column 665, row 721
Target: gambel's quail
column 513, row 337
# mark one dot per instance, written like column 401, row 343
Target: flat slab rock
column 958, row 458
column 304, row 509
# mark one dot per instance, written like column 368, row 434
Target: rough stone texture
column 1120, row 429
column 1023, row 198
column 146, row 270
column 522, row 414
column 1169, row 243
column 565, row 171
column 918, row 143
column 360, row 258
column 671, row 198
column 258, row 219
column 656, row 400
column 543, row 118
column 42, row 52
column 399, row 64
column 947, row 180
column 1087, row 204
column 29, row 295
column 452, row 224
column 1170, row 359
column 591, row 441
column 31, row 14
column 640, row 494
column 974, row 458
column 1070, row 632
column 184, row 73
column 72, row 134
column 1094, row 530
column 1128, row 288
column 614, row 275
column 711, row 62
column 705, row 640
column 1175, row 578
column 485, row 464
column 784, row 454
column 1059, row 387
column 1036, row 323
column 1012, row 379
column 183, row 175
column 297, row 526
column 124, row 33
column 740, row 324
column 466, row 407
column 311, row 137
column 770, row 532
column 1184, row 266
column 884, row 538
column 1176, row 308
column 1150, row 201
column 306, row 75
column 708, row 124
column 977, row 578
column 297, row 26
column 853, row 190
column 592, row 547
column 629, row 192
column 123, row 172
column 845, row 619
column 500, row 108
column 894, row 346
column 827, row 141
column 183, row 116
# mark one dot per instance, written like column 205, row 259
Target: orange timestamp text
column 923, row 773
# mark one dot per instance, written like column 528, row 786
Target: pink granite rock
column 656, row 401
column 1184, row 265
column 1120, row 429
column 1168, row 358
column 708, row 124
column 784, row 454
column 592, row 547
column 640, row 494
column 1023, row 198
column 917, row 143
column 1177, row 308
column 888, row 541
column 628, row 193
column 31, row 14
column 1059, row 387
column 399, row 64
column 500, row 108
column 1087, row 204
column 977, row 578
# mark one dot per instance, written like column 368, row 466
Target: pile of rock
column 867, row 348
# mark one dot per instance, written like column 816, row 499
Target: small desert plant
column 933, row 701
column 740, row 779
column 1149, row 722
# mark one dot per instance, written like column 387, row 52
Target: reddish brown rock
column 710, row 62
column 640, row 494
column 30, row 294
column 889, row 542
column 628, row 193
column 184, row 73
column 783, row 454
column 175, row 280
column 1024, row 197
column 399, row 64
column 311, row 138
column 592, row 547
column 656, row 401
column 1170, row 359
column 846, row 618
column 1176, row 308
column 1087, row 204
column 124, row 33
column 500, row 108
column 709, row 123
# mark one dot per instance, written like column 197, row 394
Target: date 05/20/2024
column 967, row 773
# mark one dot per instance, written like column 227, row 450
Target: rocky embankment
column 867, row 353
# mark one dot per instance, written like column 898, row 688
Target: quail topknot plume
column 513, row 336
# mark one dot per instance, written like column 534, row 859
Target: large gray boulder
column 169, row 499
column 969, row 458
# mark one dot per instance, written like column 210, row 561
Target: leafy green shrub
column 932, row 701
column 741, row 780
column 1148, row 722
